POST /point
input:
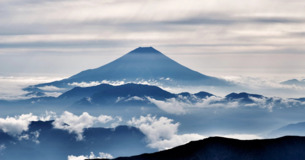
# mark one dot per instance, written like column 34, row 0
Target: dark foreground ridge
column 218, row 148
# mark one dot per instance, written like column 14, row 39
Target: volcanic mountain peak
column 145, row 50
column 141, row 64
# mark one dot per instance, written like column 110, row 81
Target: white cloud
column 181, row 106
column 161, row 132
column 91, row 156
column 73, row 123
column 51, row 88
column 105, row 155
column 135, row 98
column 76, row 124
column 155, row 129
column 172, row 105
column 16, row 125
column 242, row 136
column 267, row 86
column 104, row 118
column 175, row 140
column 81, row 157
column 117, row 120
column 115, row 83
column 53, row 94
column 96, row 83
column 11, row 86
column 47, row 116
column 85, row 84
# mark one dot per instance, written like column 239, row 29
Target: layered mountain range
column 105, row 95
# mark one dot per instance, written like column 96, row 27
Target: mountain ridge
column 288, row 147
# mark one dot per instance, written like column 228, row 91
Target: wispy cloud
column 175, row 26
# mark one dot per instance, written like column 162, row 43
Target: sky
column 59, row 38
column 257, row 43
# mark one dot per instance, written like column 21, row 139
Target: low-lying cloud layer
column 68, row 121
column 161, row 132
column 91, row 156
column 16, row 125
column 76, row 124
column 180, row 106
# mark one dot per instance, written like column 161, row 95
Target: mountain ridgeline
column 284, row 148
column 141, row 95
column 108, row 95
column 141, row 64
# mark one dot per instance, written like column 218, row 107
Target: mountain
column 294, row 82
column 108, row 95
column 130, row 94
column 243, row 97
column 43, row 140
column 142, row 64
column 124, row 95
column 140, row 95
column 290, row 129
column 289, row 147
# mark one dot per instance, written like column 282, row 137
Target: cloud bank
column 91, row 156
column 76, row 124
column 15, row 126
column 162, row 132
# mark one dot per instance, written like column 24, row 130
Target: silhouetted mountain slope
column 290, row 129
column 141, row 64
column 217, row 148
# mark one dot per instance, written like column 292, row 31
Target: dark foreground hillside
column 217, row 148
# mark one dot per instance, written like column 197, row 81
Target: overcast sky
column 214, row 37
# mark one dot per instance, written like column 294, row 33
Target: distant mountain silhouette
column 294, row 82
column 141, row 64
column 290, row 129
column 130, row 94
column 217, row 148
column 243, row 97
column 107, row 95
